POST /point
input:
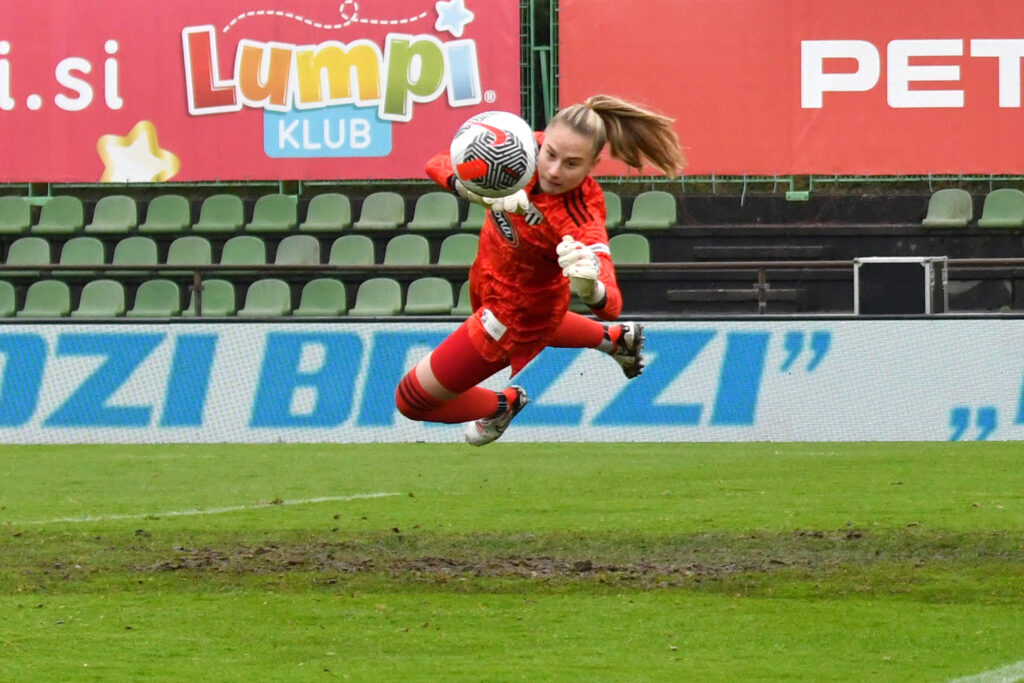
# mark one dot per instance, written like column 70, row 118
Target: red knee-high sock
column 472, row 404
column 580, row 332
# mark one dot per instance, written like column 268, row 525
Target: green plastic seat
column 951, row 207
column 114, row 214
column 629, row 247
column 476, row 214
column 652, row 210
column 136, row 250
column 81, row 251
column 463, row 306
column 352, row 250
column 220, row 214
column 328, row 212
column 189, row 250
column 244, row 250
column 101, row 299
column 167, row 213
column 381, row 211
column 322, row 297
column 435, row 211
column 8, row 299
column 458, row 249
column 156, row 299
column 298, row 250
column 613, row 210
column 429, row 296
column 28, row 251
column 378, row 296
column 407, row 250
column 60, row 215
column 46, row 299
column 15, row 215
column 267, row 298
column 218, row 299
column 1003, row 208
column 274, row 213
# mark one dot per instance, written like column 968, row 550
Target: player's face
column 565, row 159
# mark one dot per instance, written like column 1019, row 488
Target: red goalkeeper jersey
column 517, row 290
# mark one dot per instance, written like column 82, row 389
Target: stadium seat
column 435, row 211
column 15, row 215
column 60, row 215
column 218, row 299
column 274, row 213
column 429, row 296
column 156, row 299
column 46, row 299
column 352, row 250
column 629, row 248
column 322, row 297
column 243, row 250
column 951, row 207
column 475, row 217
column 114, row 214
column 407, row 250
column 8, row 300
column 81, row 251
column 167, row 213
column 1003, row 208
column 378, row 296
column 189, row 250
column 134, row 251
column 652, row 210
column 27, row 251
column 220, row 213
column 613, row 210
column 267, row 298
column 298, row 250
column 462, row 306
column 458, row 249
column 381, row 211
column 328, row 212
column 100, row 299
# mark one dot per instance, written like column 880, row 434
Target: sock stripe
column 414, row 395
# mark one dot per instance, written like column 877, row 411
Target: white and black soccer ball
column 494, row 153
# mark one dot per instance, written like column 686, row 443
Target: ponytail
column 631, row 132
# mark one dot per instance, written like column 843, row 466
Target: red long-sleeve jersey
column 517, row 290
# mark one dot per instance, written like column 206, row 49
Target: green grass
column 715, row 562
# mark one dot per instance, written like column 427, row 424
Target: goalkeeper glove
column 517, row 202
column 579, row 264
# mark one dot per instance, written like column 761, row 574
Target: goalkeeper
column 538, row 247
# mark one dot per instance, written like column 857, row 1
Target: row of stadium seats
column 250, row 251
column 954, row 208
column 329, row 212
column 264, row 298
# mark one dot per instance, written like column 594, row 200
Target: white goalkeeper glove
column 579, row 263
column 517, row 202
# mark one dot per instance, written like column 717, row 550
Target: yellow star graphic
column 136, row 157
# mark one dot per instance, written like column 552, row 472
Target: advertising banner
column 143, row 91
column 795, row 380
column 810, row 87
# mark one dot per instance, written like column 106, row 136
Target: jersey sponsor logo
column 508, row 231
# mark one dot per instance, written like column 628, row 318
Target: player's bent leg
column 442, row 386
column 622, row 341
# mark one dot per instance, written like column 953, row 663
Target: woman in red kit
column 537, row 247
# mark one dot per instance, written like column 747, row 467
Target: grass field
column 618, row 562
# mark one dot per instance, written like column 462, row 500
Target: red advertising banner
column 803, row 86
column 192, row 90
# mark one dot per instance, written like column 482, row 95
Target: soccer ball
column 494, row 153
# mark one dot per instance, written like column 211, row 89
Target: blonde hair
column 632, row 133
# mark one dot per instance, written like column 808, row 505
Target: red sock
column 578, row 332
